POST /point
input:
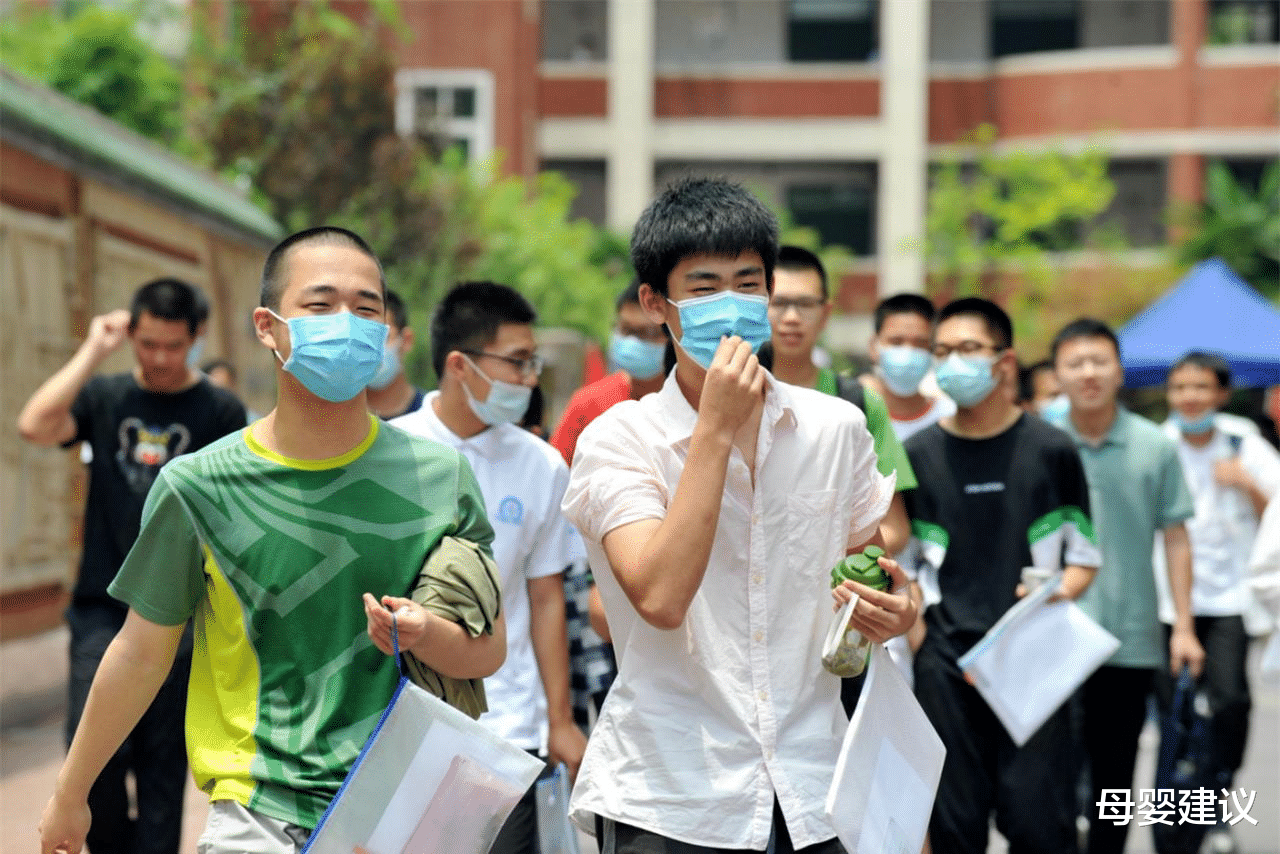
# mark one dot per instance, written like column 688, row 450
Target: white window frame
column 477, row 130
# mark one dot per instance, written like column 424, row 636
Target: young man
column 1040, row 391
column 134, row 423
column 390, row 393
column 1005, row 491
column 483, row 350
column 269, row 539
column 1136, row 493
column 900, row 356
column 713, row 511
column 1233, row 475
column 636, row 350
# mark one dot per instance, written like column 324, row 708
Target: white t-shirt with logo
column 522, row 479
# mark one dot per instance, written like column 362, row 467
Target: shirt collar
column 679, row 418
column 1117, row 434
column 487, row 443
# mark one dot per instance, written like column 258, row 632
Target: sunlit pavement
column 32, row 685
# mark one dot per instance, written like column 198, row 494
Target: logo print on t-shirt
column 144, row 449
column 511, row 510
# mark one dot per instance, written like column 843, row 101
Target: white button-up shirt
column 707, row 722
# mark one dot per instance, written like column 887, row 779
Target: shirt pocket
column 814, row 538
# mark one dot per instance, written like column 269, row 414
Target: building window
column 1137, row 211
column 1244, row 22
column 1028, row 26
column 448, row 108
column 575, row 30
column 833, row 30
column 840, row 213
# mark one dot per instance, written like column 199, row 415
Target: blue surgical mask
column 704, row 321
column 334, row 355
column 1194, row 427
column 641, row 359
column 966, row 379
column 506, row 404
column 1056, row 410
column 195, row 353
column 388, row 370
column 902, row 368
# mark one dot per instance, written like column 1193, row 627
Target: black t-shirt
column 133, row 432
column 986, row 508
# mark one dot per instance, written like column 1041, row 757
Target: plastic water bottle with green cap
column 846, row 651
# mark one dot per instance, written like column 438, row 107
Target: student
column 272, row 540
column 713, row 511
column 1138, row 494
column 900, row 359
column 1005, row 491
column 636, row 349
column 1233, row 475
column 133, row 423
column 483, row 350
column 390, row 393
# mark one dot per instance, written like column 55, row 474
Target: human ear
column 654, row 304
column 264, row 328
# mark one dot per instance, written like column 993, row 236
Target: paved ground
column 33, row 672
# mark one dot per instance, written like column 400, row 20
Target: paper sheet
column 888, row 770
column 1033, row 658
column 430, row 774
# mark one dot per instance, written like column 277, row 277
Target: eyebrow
column 330, row 290
column 707, row 275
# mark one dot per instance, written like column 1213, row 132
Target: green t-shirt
column 890, row 456
column 269, row 556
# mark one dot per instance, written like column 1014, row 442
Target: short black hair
column 323, row 235
column 630, row 295
column 169, row 299
column 797, row 258
column 1027, row 378
column 1082, row 327
column 904, row 304
column 1210, row 361
column 397, row 313
column 469, row 316
column 701, row 216
column 998, row 324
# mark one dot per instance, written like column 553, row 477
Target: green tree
column 97, row 58
column 1240, row 226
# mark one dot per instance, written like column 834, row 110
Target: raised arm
column 46, row 419
column 660, row 563
column 133, row 668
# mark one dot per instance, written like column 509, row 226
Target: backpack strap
column 851, row 390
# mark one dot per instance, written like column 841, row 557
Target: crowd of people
column 665, row 558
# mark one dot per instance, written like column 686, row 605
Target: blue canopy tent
column 1211, row 309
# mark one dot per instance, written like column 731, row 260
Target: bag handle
column 395, row 644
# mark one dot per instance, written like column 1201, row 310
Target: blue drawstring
column 395, row 644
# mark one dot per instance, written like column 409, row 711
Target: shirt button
column 757, row 577
column 764, row 696
column 758, row 636
column 768, row 753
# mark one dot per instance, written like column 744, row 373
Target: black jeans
column 1114, row 708
column 1226, row 647
column 155, row 750
column 618, row 838
column 1030, row 788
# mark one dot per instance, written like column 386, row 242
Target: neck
column 1093, row 424
column 454, row 411
column 900, row 408
column 639, row 388
column 990, row 417
column 1198, row 440
column 393, row 400
column 799, row 371
column 306, row 427
column 192, row 377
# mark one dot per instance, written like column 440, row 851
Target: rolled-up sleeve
column 614, row 480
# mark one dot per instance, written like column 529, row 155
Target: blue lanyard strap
column 395, row 644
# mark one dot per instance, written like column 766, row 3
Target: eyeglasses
column 530, row 367
column 806, row 307
column 964, row 348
